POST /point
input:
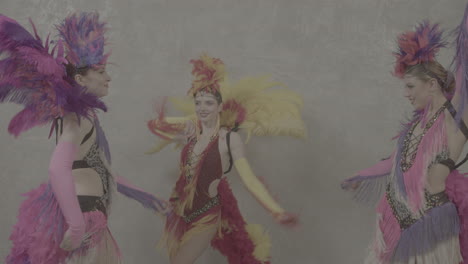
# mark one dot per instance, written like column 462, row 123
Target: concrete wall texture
column 335, row 53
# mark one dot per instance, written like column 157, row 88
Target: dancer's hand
column 287, row 219
column 164, row 207
column 349, row 185
column 67, row 243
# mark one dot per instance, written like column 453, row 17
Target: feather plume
column 418, row 46
column 83, row 35
column 35, row 77
column 460, row 63
column 208, row 73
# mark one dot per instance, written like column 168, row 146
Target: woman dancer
column 65, row 219
column 421, row 218
column 204, row 207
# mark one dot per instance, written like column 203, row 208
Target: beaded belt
column 404, row 215
column 210, row 204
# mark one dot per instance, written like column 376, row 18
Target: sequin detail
column 193, row 159
column 191, row 162
column 404, row 215
column 93, row 159
column 210, row 204
column 412, row 142
column 444, row 155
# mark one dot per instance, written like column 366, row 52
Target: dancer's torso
column 437, row 172
column 441, row 142
column 90, row 170
column 206, row 168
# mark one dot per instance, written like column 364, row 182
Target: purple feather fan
column 36, row 78
column 460, row 62
column 84, row 39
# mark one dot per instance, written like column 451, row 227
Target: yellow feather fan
column 257, row 107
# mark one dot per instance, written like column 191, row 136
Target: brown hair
column 216, row 94
column 72, row 70
column 433, row 69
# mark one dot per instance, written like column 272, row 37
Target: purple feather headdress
column 84, row 39
column 419, row 46
column 34, row 76
column 460, row 61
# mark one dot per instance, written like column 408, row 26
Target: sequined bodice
column 208, row 163
column 93, row 159
column 199, row 171
column 411, row 153
column 403, row 214
column 412, row 141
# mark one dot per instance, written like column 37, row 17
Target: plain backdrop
column 335, row 53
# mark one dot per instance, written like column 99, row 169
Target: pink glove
column 63, row 186
column 382, row 168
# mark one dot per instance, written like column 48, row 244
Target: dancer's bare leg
column 194, row 248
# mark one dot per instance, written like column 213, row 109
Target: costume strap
column 228, row 142
column 87, row 136
column 58, row 128
column 58, row 124
column 461, row 124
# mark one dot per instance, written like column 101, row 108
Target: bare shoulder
column 223, row 132
column 236, row 138
column 233, row 136
column 73, row 127
column 453, row 128
column 71, row 120
column 236, row 145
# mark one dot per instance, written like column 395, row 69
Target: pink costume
column 413, row 225
column 37, row 78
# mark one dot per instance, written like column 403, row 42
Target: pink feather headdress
column 83, row 36
column 32, row 73
column 418, row 46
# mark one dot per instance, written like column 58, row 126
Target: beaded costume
column 248, row 105
column 414, row 225
column 35, row 77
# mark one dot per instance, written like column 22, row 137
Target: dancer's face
column 96, row 80
column 206, row 107
column 417, row 91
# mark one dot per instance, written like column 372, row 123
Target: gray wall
column 336, row 53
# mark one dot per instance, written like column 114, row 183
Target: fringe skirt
column 439, row 236
column 40, row 228
column 240, row 242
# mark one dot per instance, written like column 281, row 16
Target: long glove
column 63, row 186
column 382, row 168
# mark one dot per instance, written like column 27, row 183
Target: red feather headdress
column 418, row 46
